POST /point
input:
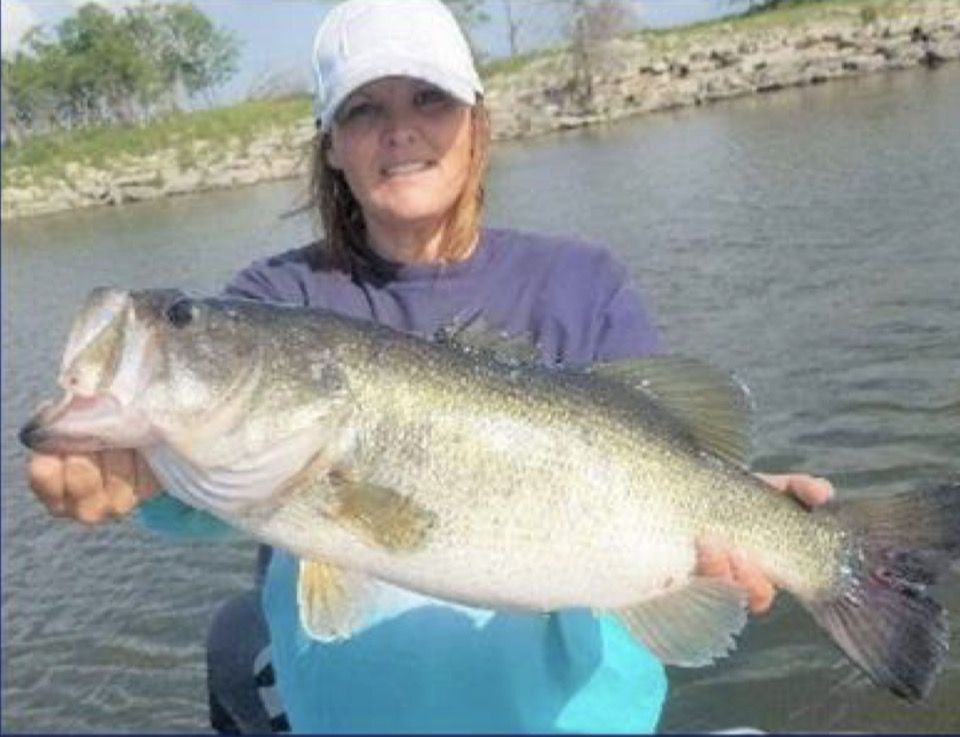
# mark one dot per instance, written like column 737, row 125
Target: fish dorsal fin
column 476, row 335
column 689, row 626
column 333, row 602
column 711, row 404
column 382, row 516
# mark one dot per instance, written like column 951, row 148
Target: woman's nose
column 400, row 137
column 400, row 130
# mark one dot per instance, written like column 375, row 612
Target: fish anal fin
column 692, row 625
column 332, row 601
column 379, row 514
column 712, row 405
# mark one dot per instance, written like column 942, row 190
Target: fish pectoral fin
column 381, row 515
column 333, row 601
column 690, row 626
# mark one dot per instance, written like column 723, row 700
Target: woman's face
column 404, row 147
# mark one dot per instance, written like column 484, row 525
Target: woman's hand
column 91, row 487
column 716, row 560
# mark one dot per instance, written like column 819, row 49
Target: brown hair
column 344, row 243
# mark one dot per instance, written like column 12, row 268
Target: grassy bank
column 794, row 12
column 786, row 15
column 47, row 157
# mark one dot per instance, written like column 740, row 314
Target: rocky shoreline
column 629, row 77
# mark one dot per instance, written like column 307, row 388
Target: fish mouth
column 84, row 424
column 101, row 374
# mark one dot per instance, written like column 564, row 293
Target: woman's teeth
column 402, row 169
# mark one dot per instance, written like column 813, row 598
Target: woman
column 398, row 184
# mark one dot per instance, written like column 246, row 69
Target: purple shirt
column 574, row 300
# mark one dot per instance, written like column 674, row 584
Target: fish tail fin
column 882, row 617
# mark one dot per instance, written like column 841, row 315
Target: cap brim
column 364, row 70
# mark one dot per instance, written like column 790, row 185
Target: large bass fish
column 452, row 468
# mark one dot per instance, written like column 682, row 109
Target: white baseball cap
column 363, row 40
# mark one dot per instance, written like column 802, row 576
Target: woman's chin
column 410, row 212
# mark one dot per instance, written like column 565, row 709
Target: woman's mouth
column 407, row 169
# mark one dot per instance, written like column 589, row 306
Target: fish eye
column 181, row 313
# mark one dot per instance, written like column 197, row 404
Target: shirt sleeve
column 253, row 283
column 622, row 324
column 169, row 517
column 276, row 279
column 626, row 328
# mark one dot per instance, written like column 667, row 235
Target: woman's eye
column 431, row 98
column 358, row 111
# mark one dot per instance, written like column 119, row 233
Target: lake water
column 808, row 240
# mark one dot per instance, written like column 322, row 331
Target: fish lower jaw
column 85, row 424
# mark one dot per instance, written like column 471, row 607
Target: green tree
column 23, row 97
column 190, row 54
column 35, row 82
column 147, row 26
column 105, row 72
column 199, row 57
column 98, row 68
